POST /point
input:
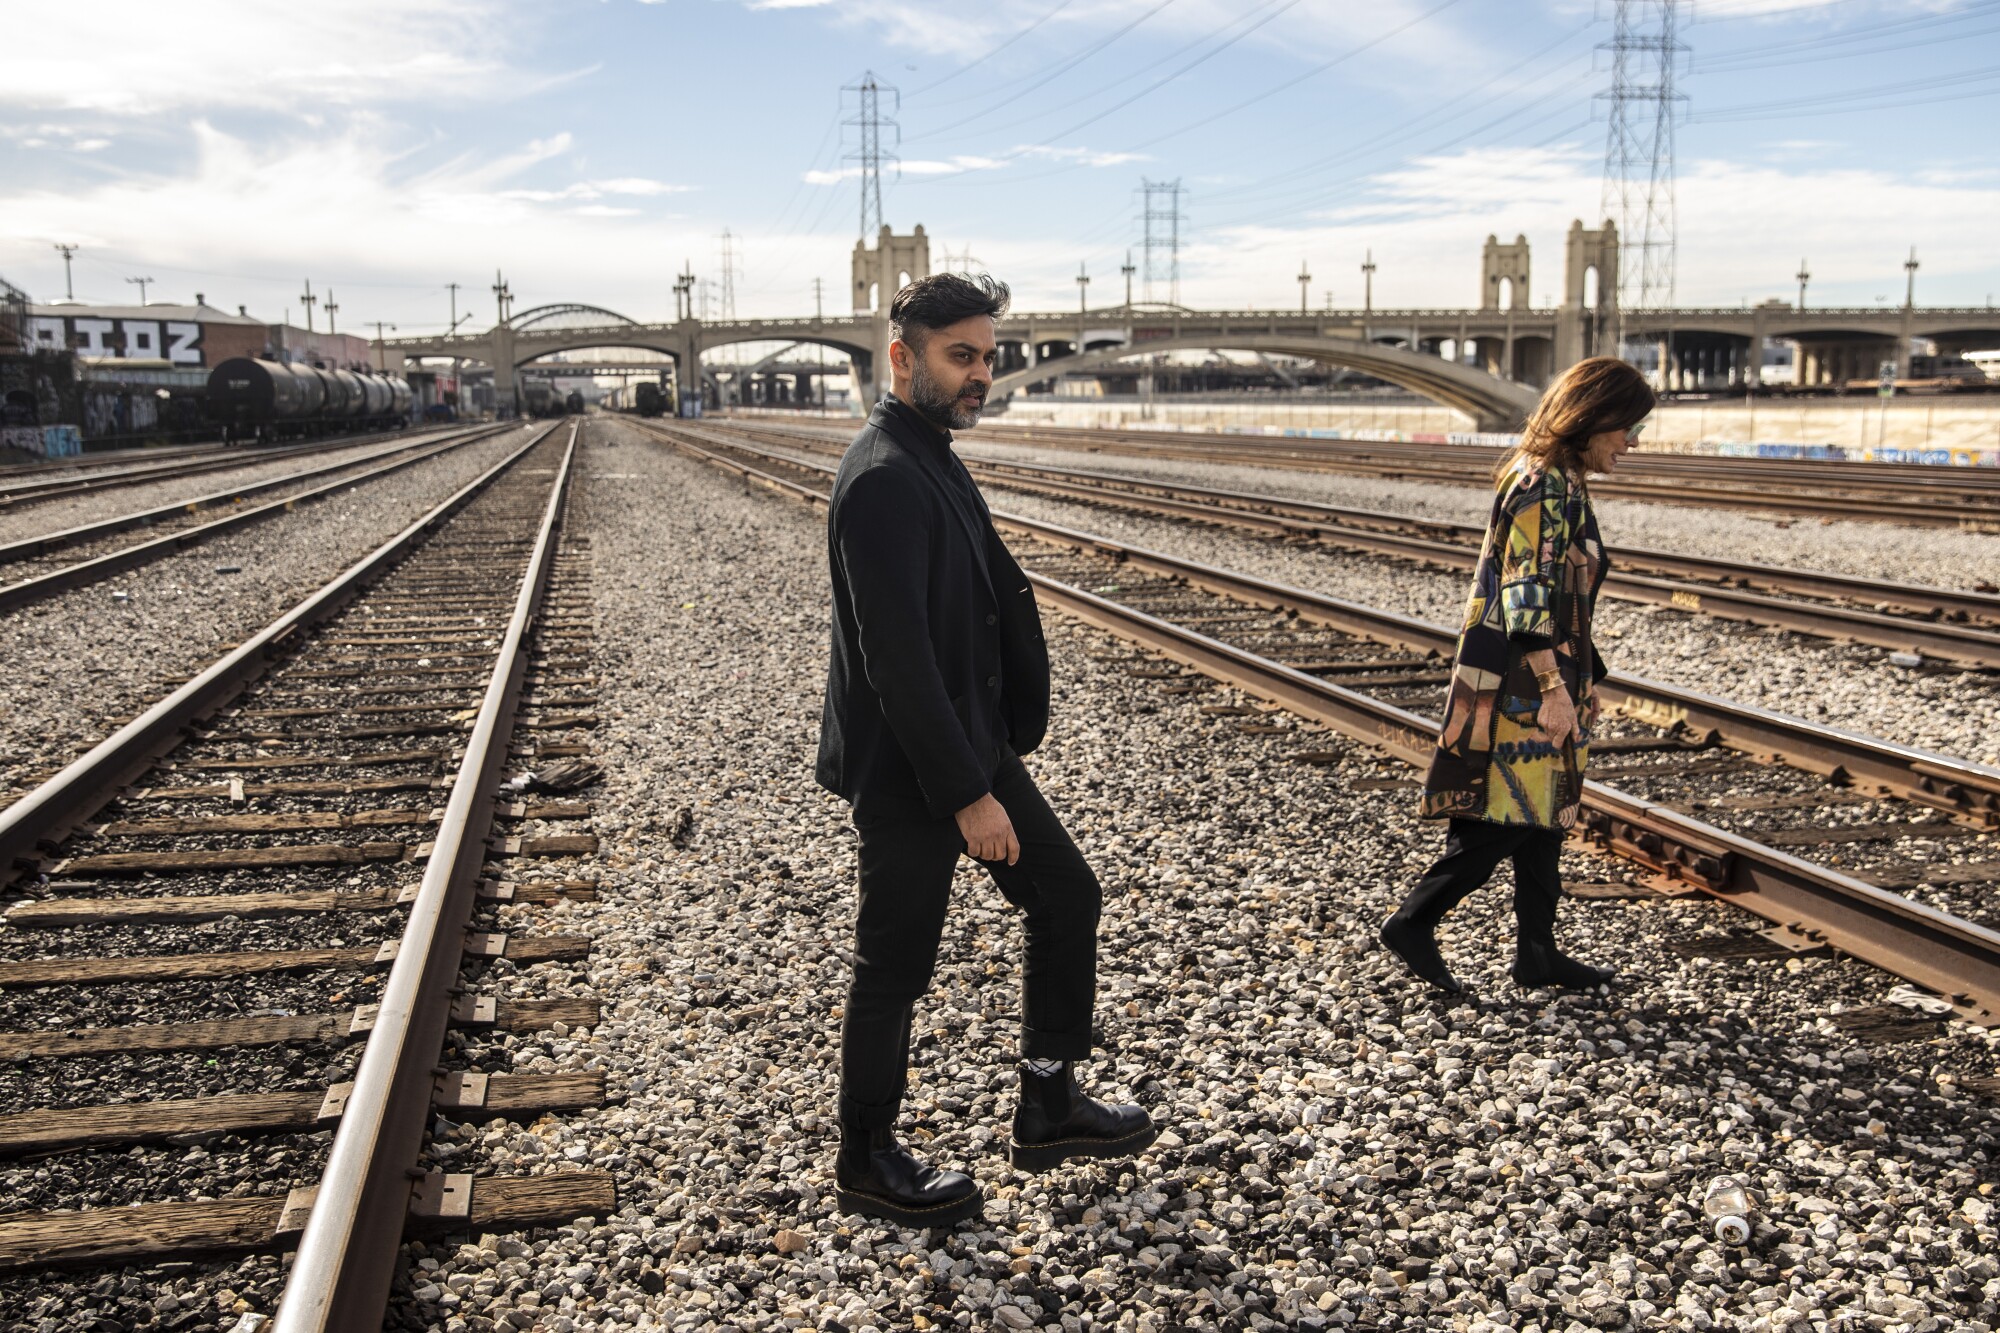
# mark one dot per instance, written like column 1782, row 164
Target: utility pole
column 1082, row 293
column 1909, row 316
column 503, row 297
column 452, row 287
column 142, row 287
column 1367, row 292
column 868, row 123
column 381, row 353
column 1638, row 186
column 331, row 310
column 1162, row 216
column 69, row 292
column 819, row 301
column 1128, row 269
column 1804, row 277
column 308, row 301
column 1305, row 280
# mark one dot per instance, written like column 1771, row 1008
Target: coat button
column 992, row 682
column 992, row 620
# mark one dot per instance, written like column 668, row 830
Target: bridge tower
column 880, row 271
column 1504, row 263
column 1587, row 319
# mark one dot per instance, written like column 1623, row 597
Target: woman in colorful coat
column 1508, row 769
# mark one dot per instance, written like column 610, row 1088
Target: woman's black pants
column 1473, row 849
column 906, row 873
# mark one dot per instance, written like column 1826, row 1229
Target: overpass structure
column 1486, row 360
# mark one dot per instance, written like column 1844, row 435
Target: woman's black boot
column 1411, row 931
column 1537, row 960
column 877, row 1176
column 1055, row 1121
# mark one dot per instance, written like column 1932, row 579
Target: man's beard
column 940, row 406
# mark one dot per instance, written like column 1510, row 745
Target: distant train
column 253, row 399
column 541, row 399
column 644, row 399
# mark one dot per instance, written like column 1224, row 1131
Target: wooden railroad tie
column 524, row 950
column 335, row 1028
column 157, row 1232
column 474, row 1096
column 306, row 854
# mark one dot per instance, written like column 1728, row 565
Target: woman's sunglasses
column 1632, row 433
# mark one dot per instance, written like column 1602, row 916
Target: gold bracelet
column 1549, row 680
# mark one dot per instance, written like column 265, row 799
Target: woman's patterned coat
column 1536, row 584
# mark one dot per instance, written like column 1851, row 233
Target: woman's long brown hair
column 1594, row 395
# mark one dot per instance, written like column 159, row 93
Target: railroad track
column 1880, row 851
column 1958, row 627
column 36, row 487
column 1963, row 498
column 34, row 568
column 303, row 850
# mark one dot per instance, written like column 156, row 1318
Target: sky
column 589, row 149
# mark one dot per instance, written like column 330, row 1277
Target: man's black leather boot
column 877, row 1176
column 1055, row 1122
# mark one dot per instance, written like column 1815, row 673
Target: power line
column 1293, row 82
column 1061, row 68
column 990, row 52
column 1821, row 100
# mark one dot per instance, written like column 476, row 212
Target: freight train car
column 645, row 400
column 254, row 399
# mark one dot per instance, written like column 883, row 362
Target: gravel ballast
column 81, row 662
column 36, row 518
column 1342, row 1150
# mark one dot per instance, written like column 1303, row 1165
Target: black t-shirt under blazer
column 938, row 666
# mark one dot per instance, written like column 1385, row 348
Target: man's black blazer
column 938, row 660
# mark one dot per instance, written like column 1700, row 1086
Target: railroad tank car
column 574, row 403
column 644, row 400
column 254, row 399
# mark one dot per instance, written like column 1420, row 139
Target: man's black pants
column 906, row 873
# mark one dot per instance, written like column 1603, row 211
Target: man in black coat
column 938, row 684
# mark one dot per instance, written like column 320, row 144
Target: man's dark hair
column 942, row 300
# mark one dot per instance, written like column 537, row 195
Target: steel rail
column 1711, row 588
column 346, row 1257
column 21, row 493
column 1761, row 497
column 1951, row 956
column 34, row 825
column 1962, row 644
column 28, row 547
column 1881, row 478
column 85, row 572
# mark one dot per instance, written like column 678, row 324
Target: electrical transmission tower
column 869, row 123
column 727, row 295
column 1163, row 218
column 962, row 262
column 1639, row 148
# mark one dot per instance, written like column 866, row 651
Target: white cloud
column 140, row 57
column 340, row 207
